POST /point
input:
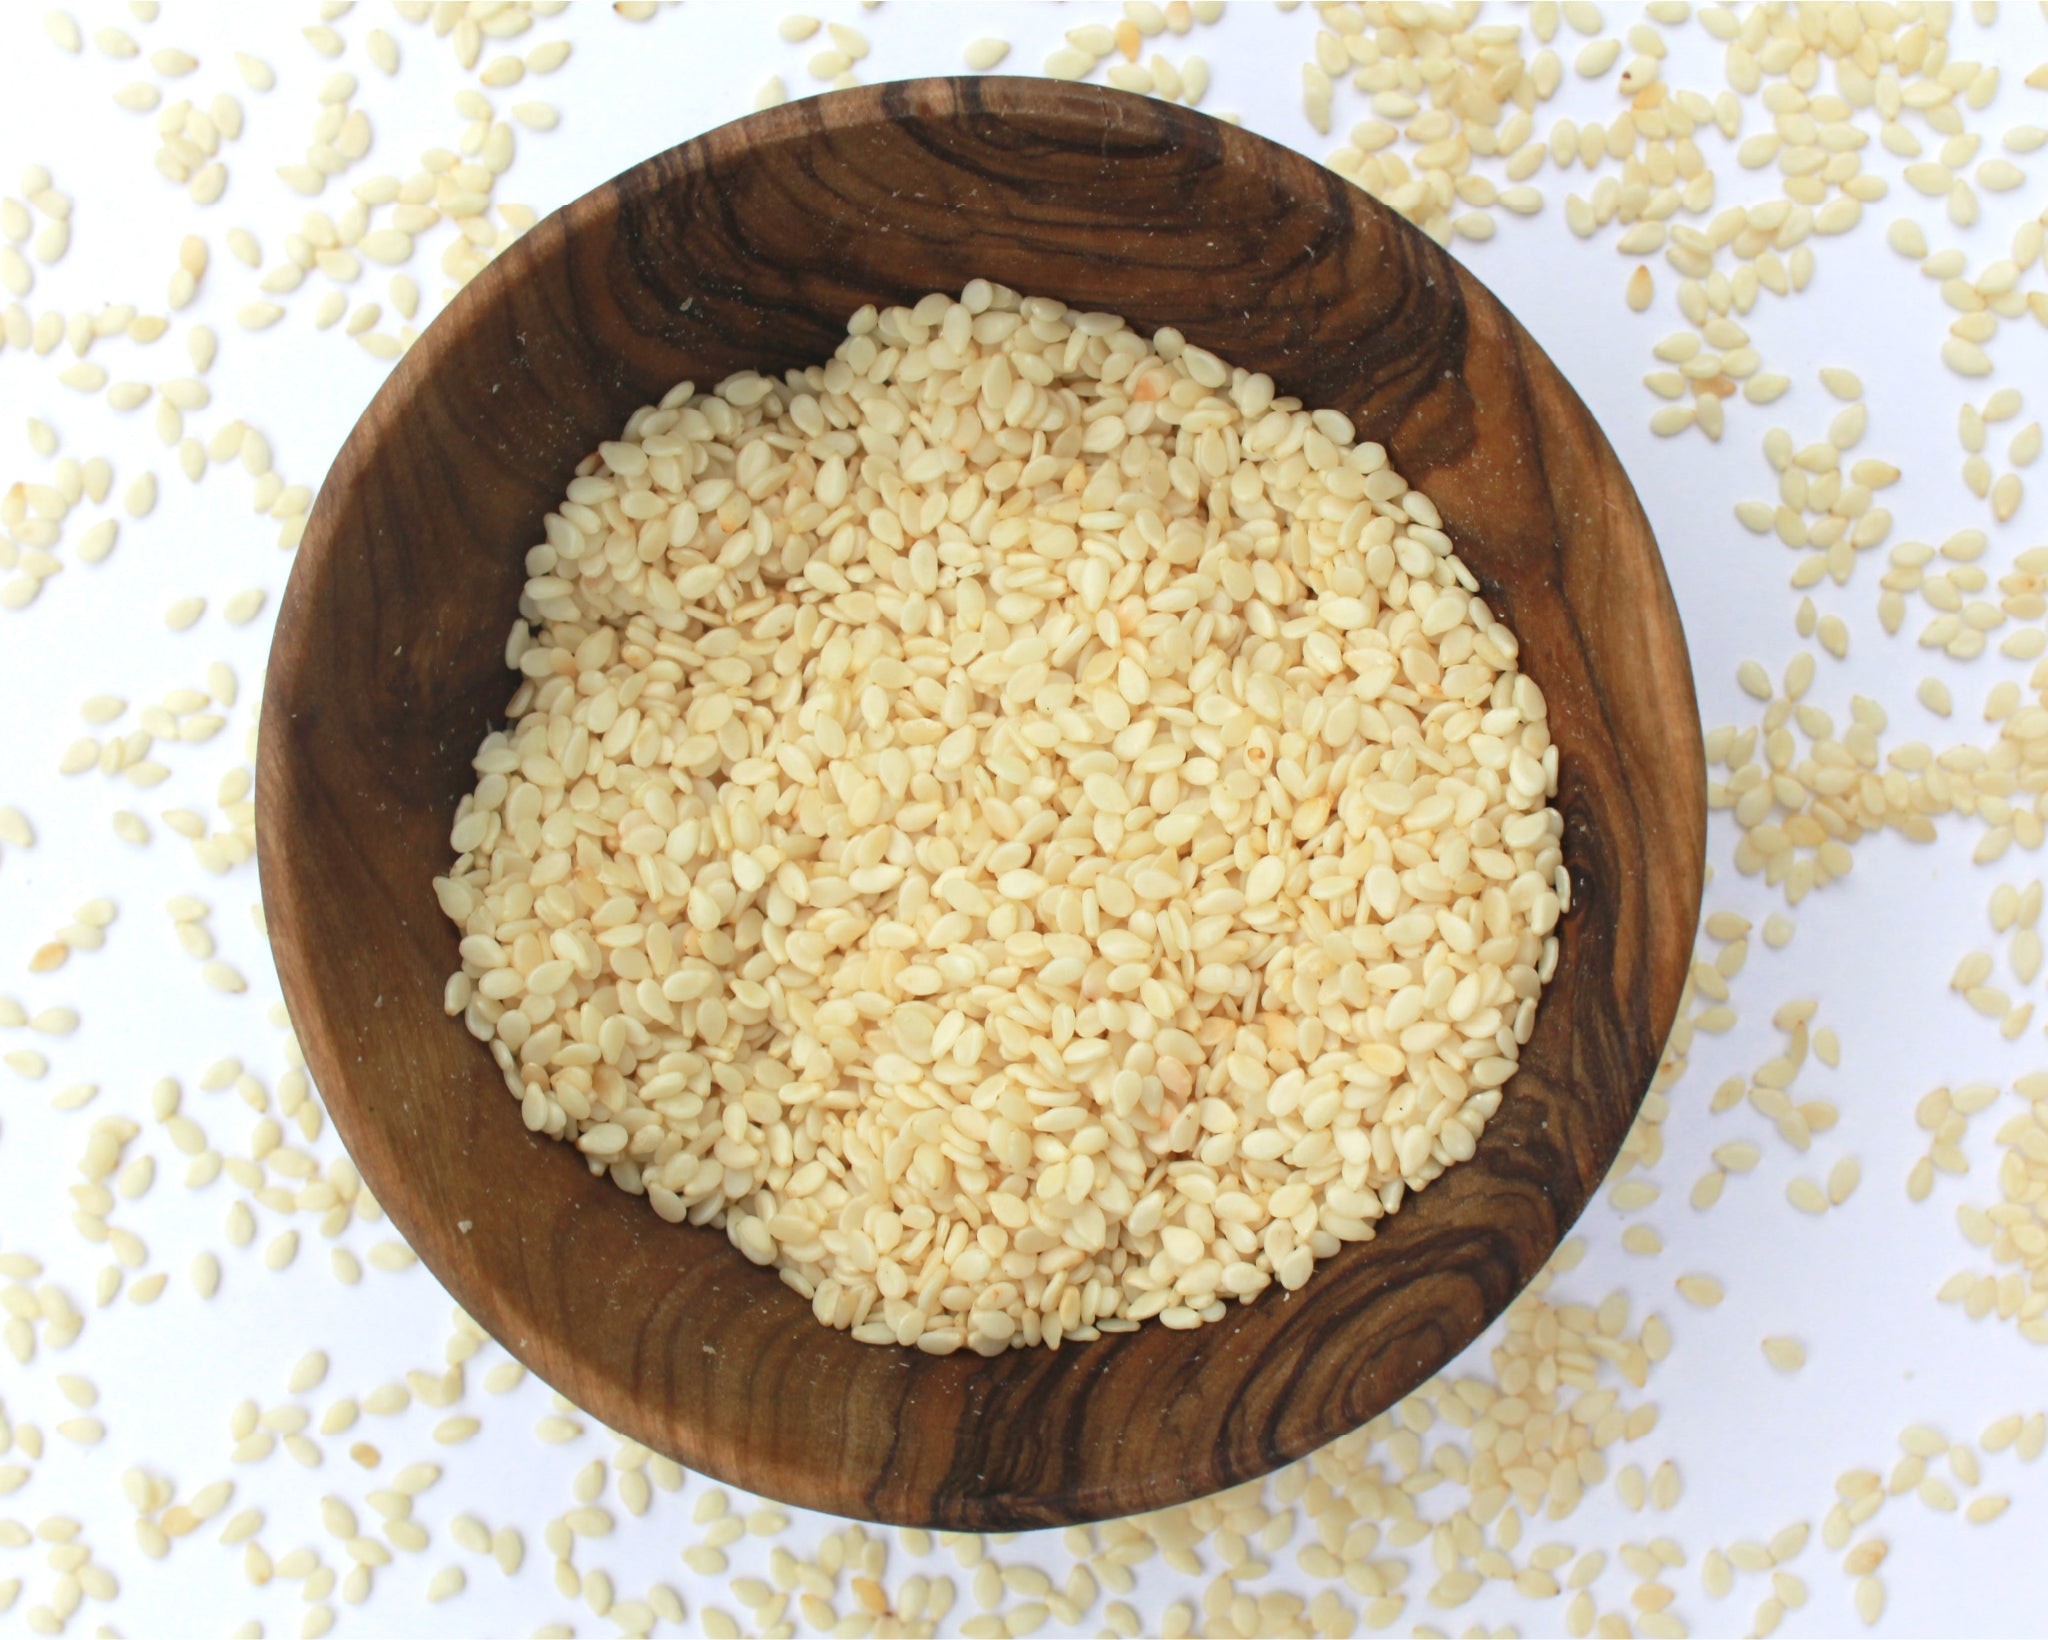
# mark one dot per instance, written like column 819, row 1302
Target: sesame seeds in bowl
column 1021, row 827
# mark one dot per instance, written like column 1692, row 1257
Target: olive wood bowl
column 750, row 246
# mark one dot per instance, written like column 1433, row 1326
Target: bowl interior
column 749, row 247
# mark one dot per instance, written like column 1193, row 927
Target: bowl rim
column 318, row 561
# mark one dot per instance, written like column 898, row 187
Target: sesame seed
column 1785, row 1354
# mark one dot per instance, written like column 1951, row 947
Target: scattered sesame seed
column 1786, row 1354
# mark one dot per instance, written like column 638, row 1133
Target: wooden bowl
column 749, row 247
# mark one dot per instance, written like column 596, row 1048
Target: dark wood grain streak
column 749, row 247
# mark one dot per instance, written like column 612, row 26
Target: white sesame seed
column 1785, row 1354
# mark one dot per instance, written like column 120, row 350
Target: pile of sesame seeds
column 1024, row 827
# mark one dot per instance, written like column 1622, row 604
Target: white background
column 1757, row 1450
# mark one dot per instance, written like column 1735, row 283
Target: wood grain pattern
column 749, row 247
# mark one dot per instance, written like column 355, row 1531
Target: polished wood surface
column 749, row 247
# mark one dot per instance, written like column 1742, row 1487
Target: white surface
column 1757, row 1450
